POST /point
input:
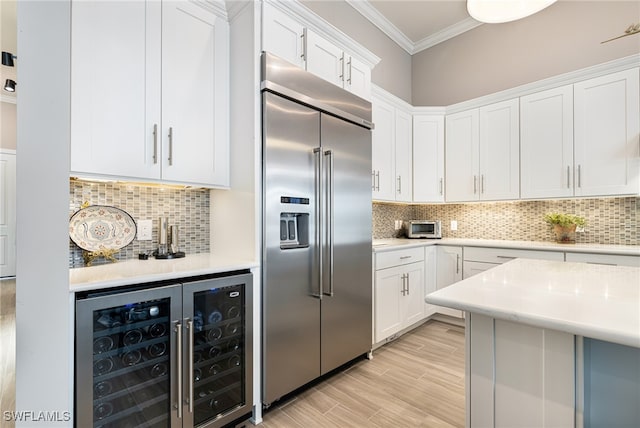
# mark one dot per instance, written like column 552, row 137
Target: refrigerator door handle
column 178, row 331
column 329, row 219
column 319, row 229
column 190, row 362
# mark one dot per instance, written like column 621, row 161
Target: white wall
column 493, row 57
column 44, row 330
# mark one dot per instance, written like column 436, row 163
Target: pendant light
column 497, row 11
column 10, row 85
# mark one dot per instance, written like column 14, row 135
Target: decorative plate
column 101, row 227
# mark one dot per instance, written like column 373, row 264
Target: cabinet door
column 403, row 149
column 449, row 271
column 430, row 268
column 500, row 151
column 607, row 123
column 383, row 151
column 461, row 156
column 388, row 302
column 195, row 108
column 282, row 35
column 324, row 59
column 413, row 298
column 473, row 268
column 428, row 158
column 546, row 143
column 115, row 88
column 358, row 78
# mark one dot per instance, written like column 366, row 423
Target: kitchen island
column 550, row 344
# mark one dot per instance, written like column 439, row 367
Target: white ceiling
column 417, row 24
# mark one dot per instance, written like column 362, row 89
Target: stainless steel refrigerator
column 317, row 292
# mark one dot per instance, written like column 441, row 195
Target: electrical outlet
column 144, row 230
column 580, row 229
column 454, row 225
column 398, row 224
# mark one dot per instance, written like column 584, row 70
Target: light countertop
column 597, row 301
column 140, row 271
column 380, row 245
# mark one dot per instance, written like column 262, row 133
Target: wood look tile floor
column 415, row 381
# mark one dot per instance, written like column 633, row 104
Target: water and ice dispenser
column 294, row 226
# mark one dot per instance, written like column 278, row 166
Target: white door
column 404, row 156
column 195, row 68
column 413, row 299
column 546, row 143
column 115, row 88
column 500, row 151
column 462, row 156
column 449, row 270
column 282, row 35
column 358, row 78
column 383, row 151
column 607, row 123
column 430, row 267
column 428, row 158
column 325, row 59
column 388, row 302
column 473, row 268
column 7, row 213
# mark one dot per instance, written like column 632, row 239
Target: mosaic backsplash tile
column 186, row 208
column 614, row 221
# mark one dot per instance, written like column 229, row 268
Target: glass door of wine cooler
column 126, row 349
column 218, row 355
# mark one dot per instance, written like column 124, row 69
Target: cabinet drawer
column 502, row 255
column 604, row 259
column 399, row 257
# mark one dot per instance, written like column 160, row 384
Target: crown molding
column 329, row 32
column 8, row 99
column 569, row 78
column 445, row 34
column 379, row 20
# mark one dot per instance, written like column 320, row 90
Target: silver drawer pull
column 506, row 257
column 405, row 257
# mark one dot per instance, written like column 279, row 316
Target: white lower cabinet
column 398, row 291
column 518, row 376
column 604, row 259
column 480, row 259
column 448, row 271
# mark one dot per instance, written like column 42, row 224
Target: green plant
column 564, row 220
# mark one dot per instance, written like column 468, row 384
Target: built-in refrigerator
column 176, row 354
column 316, row 257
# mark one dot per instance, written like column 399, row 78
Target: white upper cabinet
column 462, row 156
column 482, row 153
column 607, row 141
column 428, row 158
column 391, row 153
column 149, row 97
column 546, row 143
column 287, row 37
column 282, row 35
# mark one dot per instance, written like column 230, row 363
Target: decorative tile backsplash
column 609, row 220
column 186, row 208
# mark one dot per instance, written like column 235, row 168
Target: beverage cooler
column 165, row 355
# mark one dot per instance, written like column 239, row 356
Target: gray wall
column 494, row 57
column 393, row 72
column 7, row 125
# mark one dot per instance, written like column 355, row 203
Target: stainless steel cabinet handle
column 190, row 364
column 373, row 180
column 319, row 230
column 378, row 180
column 482, row 183
column 350, row 71
column 404, row 290
column 329, row 226
column 155, row 143
column 506, row 257
column 304, row 45
column 475, row 184
column 170, row 145
column 568, row 177
column 342, row 67
column 457, row 263
column 405, row 257
column 408, row 284
column 441, row 186
column 399, row 184
column 579, row 176
column 177, row 328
